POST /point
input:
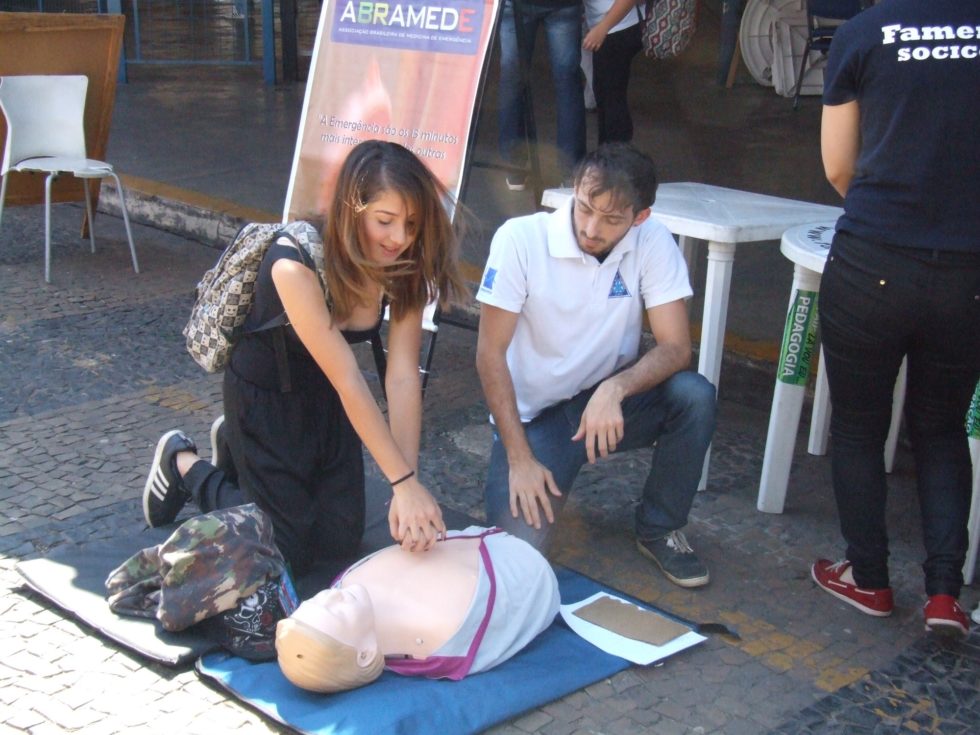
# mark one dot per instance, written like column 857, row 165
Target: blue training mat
column 556, row 663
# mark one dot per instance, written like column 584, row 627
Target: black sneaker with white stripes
column 164, row 493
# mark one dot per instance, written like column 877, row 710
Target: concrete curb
column 203, row 218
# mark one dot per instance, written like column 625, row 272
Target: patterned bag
column 249, row 629
column 227, row 291
column 210, row 564
column 669, row 27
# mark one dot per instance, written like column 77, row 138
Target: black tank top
column 254, row 357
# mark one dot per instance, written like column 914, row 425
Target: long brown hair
column 431, row 263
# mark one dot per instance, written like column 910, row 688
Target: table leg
column 898, row 401
column 973, row 524
column 689, row 249
column 820, row 416
column 718, row 281
column 787, row 400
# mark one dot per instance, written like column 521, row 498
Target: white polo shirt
column 580, row 320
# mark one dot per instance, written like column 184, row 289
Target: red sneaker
column 838, row 579
column 945, row 616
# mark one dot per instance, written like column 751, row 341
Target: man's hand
column 530, row 483
column 602, row 421
column 414, row 518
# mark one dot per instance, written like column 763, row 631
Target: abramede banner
column 404, row 71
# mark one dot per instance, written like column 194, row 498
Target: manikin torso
column 419, row 599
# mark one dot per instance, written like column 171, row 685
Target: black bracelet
column 402, row 479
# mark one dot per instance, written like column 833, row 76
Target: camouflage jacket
column 206, row 567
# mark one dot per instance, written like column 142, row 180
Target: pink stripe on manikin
column 453, row 667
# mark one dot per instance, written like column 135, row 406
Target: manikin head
column 615, row 186
column 329, row 644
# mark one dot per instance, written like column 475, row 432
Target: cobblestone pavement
column 93, row 371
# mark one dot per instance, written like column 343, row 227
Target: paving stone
column 620, row 726
column 600, row 689
column 533, row 721
column 671, row 710
column 39, row 684
column 713, row 717
column 506, row 729
column 30, row 664
column 23, row 719
column 625, row 681
column 587, row 727
column 667, row 726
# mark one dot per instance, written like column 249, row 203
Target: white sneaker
column 516, row 182
column 218, row 446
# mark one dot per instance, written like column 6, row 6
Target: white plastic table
column 724, row 217
column 807, row 246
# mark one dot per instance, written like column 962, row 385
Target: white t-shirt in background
column 595, row 10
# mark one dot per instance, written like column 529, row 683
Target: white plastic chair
column 46, row 134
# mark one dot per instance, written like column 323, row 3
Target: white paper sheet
column 632, row 650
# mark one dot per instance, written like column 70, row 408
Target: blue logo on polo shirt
column 619, row 290
column 488, row 279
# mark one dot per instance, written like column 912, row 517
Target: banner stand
column 382, row 72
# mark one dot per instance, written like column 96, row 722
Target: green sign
column 973, row 416
column 799, row 338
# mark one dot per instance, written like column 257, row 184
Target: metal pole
column 730, row 12
column 115, row 7
column 290, row 52
column 268, row 42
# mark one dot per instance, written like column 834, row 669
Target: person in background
column 614, row 38
column 562, row 24
column 900, row 144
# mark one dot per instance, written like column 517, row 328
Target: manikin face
column 599, row 224
column 346, row 615
column 387, row 228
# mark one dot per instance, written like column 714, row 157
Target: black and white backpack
column 226, row 292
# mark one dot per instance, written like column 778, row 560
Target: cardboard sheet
column 631, row 621
column 617, row 644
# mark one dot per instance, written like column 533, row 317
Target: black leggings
column 297, row 457
column 879, row 303
column 610, row 83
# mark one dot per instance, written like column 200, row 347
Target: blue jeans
column 678, row 415
column 563, row 30
column 879, row 303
